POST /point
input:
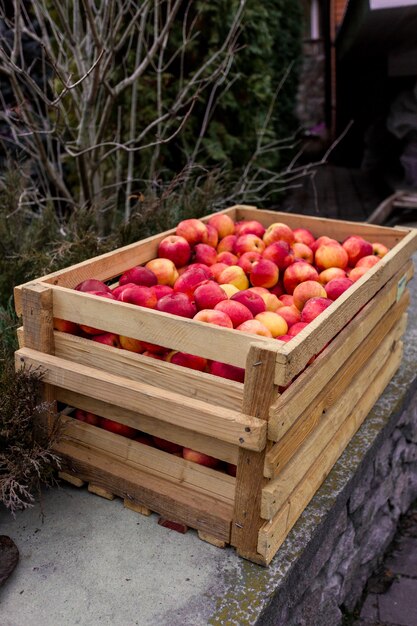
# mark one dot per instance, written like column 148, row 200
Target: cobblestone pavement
column 390, row 598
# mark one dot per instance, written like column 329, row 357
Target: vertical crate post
column 259, row 393
column 38, row 324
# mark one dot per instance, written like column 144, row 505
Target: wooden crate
column 284, row 438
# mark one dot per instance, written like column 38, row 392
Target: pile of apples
column 270, row 282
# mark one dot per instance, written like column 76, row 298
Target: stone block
column 399, row 604
column 403, row 559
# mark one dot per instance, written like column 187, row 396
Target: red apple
column 313, row 308
column 208, row 294
column 189, row 281
column 64, row 326
column 165, row 271
column 291, row 314
column 237, row 312
column 278, row 232
column 227, row 244
column 211, row 316
column 231, row 372
column 192, row 230
column 379, row 249
column 356, row 248
column 177, row 303
column 331, row 255
column 303, row 235
column 116, row 291
column 264, row 274
column 217, row 269
column 297, row 273
column 248, row 243
column 253, row 301
column 367, row 261
column 247, row 260
column 306, row 290
column 161, row 290
column 87, row 417
column 246, row 227
column 176, row 249
column 286, row 299
column 108, row 339
column 166, row 446
column 223, row 224
column 139, row 276
column 205, row 254
column 227, row 257
column 302, row 251
column 296, row 328
column 118, row 428
column 255, row 327
column 320, row 241
column 356, row 273
column 92, row 284
column 279, row 253
column 212, row 236
column 184, row 359
column 334, row 288
column 139, row 295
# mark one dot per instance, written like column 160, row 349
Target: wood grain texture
column 259, row 392
column 282, row 452
column 170, row 500
column 273, row 533
column 207, row 419
column 294, row 400
column 329, row 420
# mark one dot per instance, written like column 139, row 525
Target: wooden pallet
column 284, row 427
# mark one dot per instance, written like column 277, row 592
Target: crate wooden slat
column 284, row 428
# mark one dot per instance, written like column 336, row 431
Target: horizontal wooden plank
column 106, row 266
column 295, row 399
column 283, row 451
column 273, row 533
column 182, row 436
column 174, row 501
column 336, row 229
column 202, row 386
column 156, row 462
column 202, row 417
column 295, row 354
column 171, row 331
column 275, row 493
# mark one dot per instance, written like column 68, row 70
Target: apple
column 274, row 322
column 272, row 302
column 116, row 291
column 227, row 257
column 184, row 359
column 255, row 327
column 248, row 243
column 264, row 274
column 118, row 428
column 231, row 469
column 247, row 260
column 193, row 230
column 302, row 251
column 227, row 244
column 144, row 439
column 331, row 255
column 285, row 339
column 189, row 281
column 138, row 275
column 320, row 241
column 335, row 287
column 297, row 273
column 379, row 249
column 108, row 339
column 203, row 267
column 356, row 273
column 231, row 372
column 332, row 272
column 291, row 314
column 367, row 261
column 139, row 295
column 161, row 290
column 177, row 303
column 223, row 224
column 246, row 227
column 278, row 232
column 356, row 248
column 296, row 328
column 64, row 326
column 211, row 316
column 306, row 290
column 229, row 290
column 279, row 253
column 212, row 236
column 165, row 271
column 92, row 284
column 87, row 417
column 234, row 275
column 303, row 235
column 253, row 301
column 131, row 344
column 203, row 253
column 176, row 249
column 208, row 294
column 313, row 308
column 217, row 269
column 278, row 289
column 286, row 299
column 200, row 458
column 166, row 446
column 154, row 355
column 237, row 312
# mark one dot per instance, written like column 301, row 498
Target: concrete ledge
column 93, row 562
